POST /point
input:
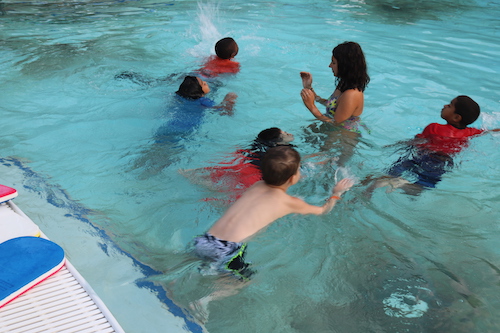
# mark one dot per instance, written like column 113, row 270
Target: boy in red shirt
column 430, row 153
column 221, row 63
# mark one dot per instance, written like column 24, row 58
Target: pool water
column 386, row 263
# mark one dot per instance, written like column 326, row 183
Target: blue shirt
column 186, row 116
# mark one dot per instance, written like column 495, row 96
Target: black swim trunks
column 224, row 256
column 426, row 166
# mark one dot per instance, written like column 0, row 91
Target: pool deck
column 123, row 283
column 64, row 302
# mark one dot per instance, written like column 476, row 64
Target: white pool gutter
column 64, row 302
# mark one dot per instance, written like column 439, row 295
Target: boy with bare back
column 263, row 203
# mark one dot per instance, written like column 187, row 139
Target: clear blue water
column 68, row 119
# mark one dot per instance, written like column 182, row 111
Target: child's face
column 286, row 137
column 204, row 86
column 334, row 66
column 448, row 111
column 236, row 49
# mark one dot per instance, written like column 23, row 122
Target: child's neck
column 222, row 59
column 456, row 125
column 283, row 187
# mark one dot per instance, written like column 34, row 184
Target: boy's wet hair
column 190, row 88
column 225, row 48
column 279, row 164
column 272, row 134
column 468, row 109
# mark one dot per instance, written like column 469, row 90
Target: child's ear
column 457, row 118
column 294, row 179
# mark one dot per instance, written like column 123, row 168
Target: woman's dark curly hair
column 190, row 88
column 352, row 71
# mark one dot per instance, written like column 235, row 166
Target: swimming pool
column 392, row 263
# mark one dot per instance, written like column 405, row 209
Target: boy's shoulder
column 216, row 65
column 261, row 189
column 449, row 131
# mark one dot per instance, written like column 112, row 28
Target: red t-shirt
column 239, row 173
column 446, row 138
column 236, row 176
column 216, row 66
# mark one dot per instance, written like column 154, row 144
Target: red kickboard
column 7, row 193
column 25, row 262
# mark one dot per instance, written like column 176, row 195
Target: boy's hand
column 230, row 97
column 228, row 104
column 342, row 186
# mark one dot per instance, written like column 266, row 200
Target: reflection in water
column 395, row 12
column 332, row 141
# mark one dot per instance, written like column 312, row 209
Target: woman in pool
column 345, row 106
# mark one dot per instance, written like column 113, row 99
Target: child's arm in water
column 227, row 104
column 301, row 207
column 405, row 143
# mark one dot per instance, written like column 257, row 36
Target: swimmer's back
column 259, row 206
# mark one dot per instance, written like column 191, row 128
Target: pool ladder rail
column 64, row 302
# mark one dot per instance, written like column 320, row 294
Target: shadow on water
column 397, row 12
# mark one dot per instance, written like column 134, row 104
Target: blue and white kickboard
column 25, row 262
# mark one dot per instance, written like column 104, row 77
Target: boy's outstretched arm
column 227, row 104
column 302, row 207
column 339, row 189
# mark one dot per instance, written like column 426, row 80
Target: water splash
column 404, row 305
column 207, row 18
column 491, row 120
column 344, row 172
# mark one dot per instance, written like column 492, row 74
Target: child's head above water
column 193, row 87
column 279, row 165
column 468, row 109
column 274, row 136
column 226, row 48
column 461, row 112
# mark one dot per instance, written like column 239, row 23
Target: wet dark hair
column 225, row 48
column 468, row 109
column 352, row 71
column 190, row 88
column 268, row 138
column 271, row 135
column 279, row 164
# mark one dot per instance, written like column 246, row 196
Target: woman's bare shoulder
column 353, row 93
